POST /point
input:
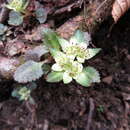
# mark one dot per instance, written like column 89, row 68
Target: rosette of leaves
column 68, row 64
column 24, row 92
column 18, row 5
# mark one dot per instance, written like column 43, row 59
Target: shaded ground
column 103, row 106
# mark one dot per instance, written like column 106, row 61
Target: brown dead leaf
column 119, row 8
column 14, row 47
column 126, row 96
column 128, row 57
column 57, row 127
column 1, row 46
column 68, row 28
column 7, row 67
column 36, row 34
column 107, row 79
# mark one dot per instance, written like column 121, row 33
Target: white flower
column 68, row 66
column 77, row 47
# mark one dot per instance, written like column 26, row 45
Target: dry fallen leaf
column 107, row 79
column 14, row 47
column 69, row 27
column 7, row 67
column 119, row 8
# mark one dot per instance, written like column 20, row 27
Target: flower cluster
column 68, row 66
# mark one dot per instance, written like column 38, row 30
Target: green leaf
column 46, row 68
column 57, row 54
column 80, row 37
column 83, row 79
column 41, row 15
column 66, row 78
column 56, row 67
column 91, row 52
column 93, row 74
column 51, row 39
column 15, row 93
column 63, row 42
column 15, row 18
column 25, row 5
column 54, row 52
column 88, row 76
column 24, row 93
column 3, row 29
column 28, row 72
column 54, row 76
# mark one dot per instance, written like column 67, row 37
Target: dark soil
column 103, row 106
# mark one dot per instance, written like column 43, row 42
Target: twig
column 32, row 110
column 91, row 110
column 68, row 8
column 101, row 5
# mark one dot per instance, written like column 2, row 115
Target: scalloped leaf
column 63, row 42
column 93, row 74
column 88, row 76
column 29, row 71
column 92, row 52
column 15, row 18
column 36, row 53
column 54, row 77
column 41, row 15
column 83, row 79
column 81, row 37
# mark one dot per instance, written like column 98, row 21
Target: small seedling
column 69, row 58
column 18, row 5
column 100, row 109
column 18, row 8
column 24, row 92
